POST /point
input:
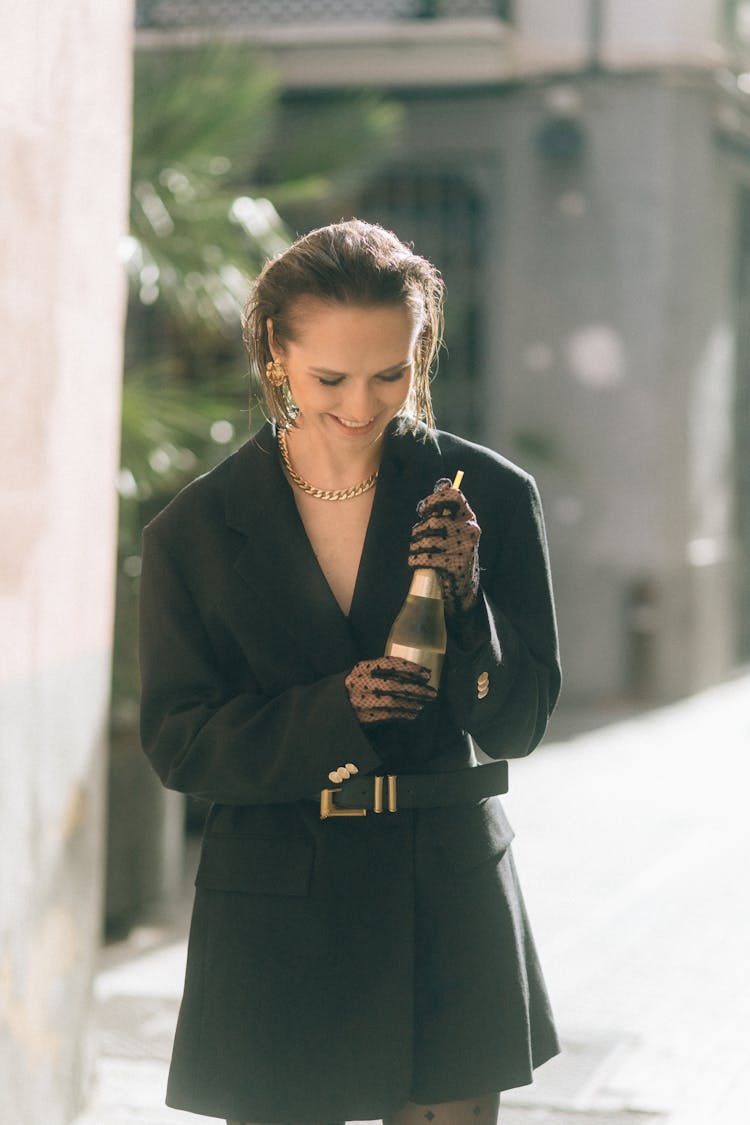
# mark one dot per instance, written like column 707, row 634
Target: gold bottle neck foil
column 426, row 584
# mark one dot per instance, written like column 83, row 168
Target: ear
column 276, row 350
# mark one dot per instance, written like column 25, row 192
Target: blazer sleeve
column 205, row 738
column 509, row 642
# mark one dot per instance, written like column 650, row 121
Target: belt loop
column 377, row 802
column 392, row 801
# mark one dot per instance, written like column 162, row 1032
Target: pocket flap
column 256, row 865
column 468, row 835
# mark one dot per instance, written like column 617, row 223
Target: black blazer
column 244, row 651
column 243, row 645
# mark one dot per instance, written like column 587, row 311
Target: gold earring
column 275, row 373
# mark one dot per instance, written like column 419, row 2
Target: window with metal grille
column 441, row 214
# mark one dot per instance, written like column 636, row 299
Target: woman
column 372, row 965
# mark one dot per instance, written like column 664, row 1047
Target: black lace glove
column 446, row 539
column 388, row 688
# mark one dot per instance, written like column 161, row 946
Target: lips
column 349, row 427
column 354, row 425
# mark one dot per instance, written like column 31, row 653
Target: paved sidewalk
column 633, row 843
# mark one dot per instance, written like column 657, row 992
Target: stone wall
column 64, row 156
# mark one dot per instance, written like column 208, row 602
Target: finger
column 429, row 558
column 450, row 501
column 440, row 495
column 428, row 540
column 434, row 526
column 428, row 562
column 424, row 560
column 448, row 507
column 388, row 715
column 451, row 524
column 434, row 502
column 399, row 662
column 400, row 668
column 453, row 536
column 389, row 702
column 430, row 549
column 408, row 706
column 393, row 689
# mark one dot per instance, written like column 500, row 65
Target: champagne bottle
column 418, row 633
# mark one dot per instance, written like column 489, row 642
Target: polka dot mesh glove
column 388, row 688
column 446, row 539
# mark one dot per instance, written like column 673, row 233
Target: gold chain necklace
column 322, row 493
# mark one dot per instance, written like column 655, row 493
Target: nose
column 360, row 404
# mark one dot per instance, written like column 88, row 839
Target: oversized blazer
column 337, row 968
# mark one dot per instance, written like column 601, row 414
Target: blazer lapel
column 277, row 554
column 276, row 549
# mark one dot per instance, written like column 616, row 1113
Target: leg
column 472, row 1111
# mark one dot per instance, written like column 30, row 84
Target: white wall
column 613, row 279
column 555, row 34
column 552, row 33
column 64, row 155
column 641, row 32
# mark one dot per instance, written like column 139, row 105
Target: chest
column 336, row 531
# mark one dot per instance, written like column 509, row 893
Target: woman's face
column 350, row 368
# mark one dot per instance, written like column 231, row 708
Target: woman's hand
column 388, row 688
column 446, row 539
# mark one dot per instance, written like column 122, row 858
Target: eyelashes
column 381, row 378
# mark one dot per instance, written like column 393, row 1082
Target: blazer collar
column 260, row 505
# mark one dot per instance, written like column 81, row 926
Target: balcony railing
column 238, row 14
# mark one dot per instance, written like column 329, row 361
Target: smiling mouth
column 354, row 425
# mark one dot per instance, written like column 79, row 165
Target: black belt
column 392, row 792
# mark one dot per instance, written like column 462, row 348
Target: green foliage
column 211, row 162
column 196, row 105
column 200, row 120
column 169, row 435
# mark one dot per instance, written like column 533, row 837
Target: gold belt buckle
column 329, row 808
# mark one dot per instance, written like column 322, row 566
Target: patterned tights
column 473, row 1111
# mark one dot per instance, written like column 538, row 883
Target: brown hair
column 348, row 263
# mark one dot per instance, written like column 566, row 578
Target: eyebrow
column 342, row 374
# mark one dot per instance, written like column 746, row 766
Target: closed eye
column 333, row 380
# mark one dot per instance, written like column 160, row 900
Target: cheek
column 400, row 391
column 400, row 397
column 305, row 392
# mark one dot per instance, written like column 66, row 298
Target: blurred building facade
column 64, row 155
column 566, row 165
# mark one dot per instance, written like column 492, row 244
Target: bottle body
column 418, row 633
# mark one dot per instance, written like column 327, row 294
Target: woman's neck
column 332, row 464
